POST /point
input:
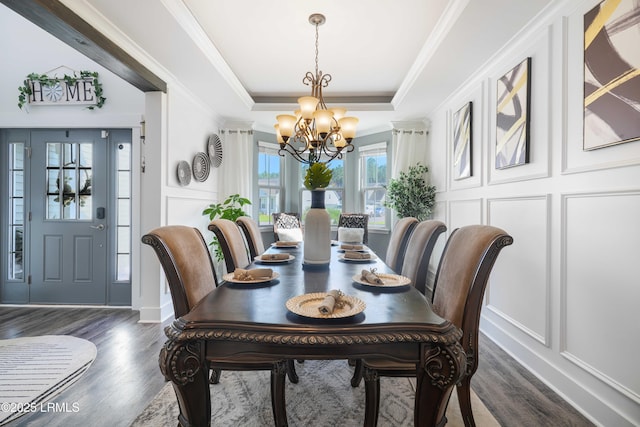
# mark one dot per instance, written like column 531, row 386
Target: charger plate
column 229, row 278
column 307, row 305
column 389, row 280
column 372, row 258
column 274, row 245
column 270, row 261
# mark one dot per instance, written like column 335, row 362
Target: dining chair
column 288, row 225
column 235, row 256
column 186, row 261
column 398, row 242
column 415, row 266
column 355, row 220
column 252, row 235
column 231, row 242
column 461, row 279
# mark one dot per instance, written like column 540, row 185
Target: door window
column 69, row 172
column 16, row 213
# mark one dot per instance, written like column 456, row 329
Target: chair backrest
column 252, row 235
column 231, row 242
column 355, row 220
column 285, row 221
column 461, row 279
column 415, row 265
column 398, row 242
column 186, row 262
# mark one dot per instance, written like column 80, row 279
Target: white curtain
column 236, row 170
column 408, row 148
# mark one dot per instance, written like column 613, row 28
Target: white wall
column 563, row 298
column 177, row 128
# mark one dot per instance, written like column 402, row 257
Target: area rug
column 33, row 370
column 323, row 397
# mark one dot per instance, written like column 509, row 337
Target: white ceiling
column 390, row 60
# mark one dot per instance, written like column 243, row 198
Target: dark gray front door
column 69, row 217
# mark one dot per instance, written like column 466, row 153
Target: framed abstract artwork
column 611, row 74
column 512, row 116
column 462, row 142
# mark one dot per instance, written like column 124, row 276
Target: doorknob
column 97, row 227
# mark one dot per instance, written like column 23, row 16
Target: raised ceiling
column 390, row 60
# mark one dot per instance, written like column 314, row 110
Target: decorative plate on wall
column 214, row 148
column 201, row 167
column 184, row 173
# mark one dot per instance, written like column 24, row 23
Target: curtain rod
column 419, row 132
column 223, row 131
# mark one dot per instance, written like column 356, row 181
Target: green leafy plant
column 25, row 91
column 318, row 176
column 230, row 209
column 409, row 194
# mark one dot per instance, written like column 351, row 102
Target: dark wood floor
column 125, row 376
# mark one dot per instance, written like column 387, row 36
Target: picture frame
column 462, row 140
column 611, row 99
column 513, row 106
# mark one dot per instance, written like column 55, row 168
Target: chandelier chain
column 317, row 48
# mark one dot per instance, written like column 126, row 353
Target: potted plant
column 409, row 194
column 317, row 231
column 230, row 209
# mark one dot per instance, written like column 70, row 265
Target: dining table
column 279, row 318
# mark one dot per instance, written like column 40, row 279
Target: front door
column 68, row 217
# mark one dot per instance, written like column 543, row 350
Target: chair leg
column 215, row 376
column 291, row 371
column 464, row 398
column 372, row 397
column 278, row 403
column 357, row 373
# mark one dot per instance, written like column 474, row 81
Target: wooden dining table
column 397, row 322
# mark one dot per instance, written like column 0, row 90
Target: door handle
column 97, row 227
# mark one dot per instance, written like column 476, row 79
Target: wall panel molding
column 521, row 277
column 599, row 285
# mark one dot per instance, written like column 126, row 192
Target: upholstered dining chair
column 415, row 266
column 355, row 220
column 288, row 225
column 235, row 256
column 461, row 279
column 252, row 235
column 398, row 242
column 231, row 242
column 187, row 264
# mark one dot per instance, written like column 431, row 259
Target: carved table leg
column 444, row 366
column 181, row 364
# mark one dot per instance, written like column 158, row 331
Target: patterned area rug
column 33, row 370
column 323, row 397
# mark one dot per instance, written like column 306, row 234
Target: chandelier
column 315, row 133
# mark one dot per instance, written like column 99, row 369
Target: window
column 373, row 173
column 334, row 193
column 16, row 212
column 269, row 182
column 123, row 208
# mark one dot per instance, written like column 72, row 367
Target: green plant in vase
column 317, row 221
column 409, row 194
column 318, row 176
column 230, row 209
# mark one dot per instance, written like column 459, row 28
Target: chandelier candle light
column 315, row 133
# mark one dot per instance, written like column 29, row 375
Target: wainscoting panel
column 519, row 282
column 464, row 212
column 601, row 286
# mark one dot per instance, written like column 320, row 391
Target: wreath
column 53, row 85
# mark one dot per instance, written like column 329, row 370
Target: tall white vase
column 317, row 232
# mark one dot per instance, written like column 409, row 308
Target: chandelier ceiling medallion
column 315, row 133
